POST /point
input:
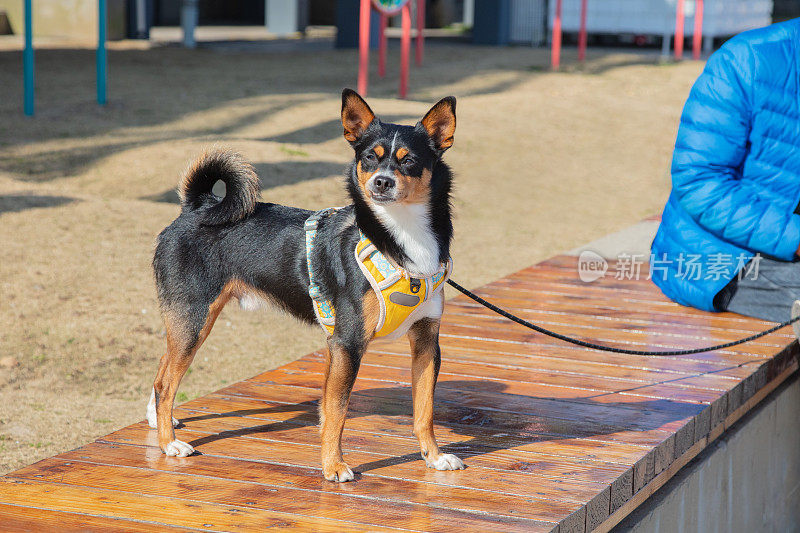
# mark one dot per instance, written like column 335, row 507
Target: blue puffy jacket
column 736, row 167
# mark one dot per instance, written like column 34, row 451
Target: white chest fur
column 410, row 225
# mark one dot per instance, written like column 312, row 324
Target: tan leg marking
column 372, row 310
column 174, row 363
column 424, row 339
column 339, row 377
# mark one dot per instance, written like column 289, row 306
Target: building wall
column 71, row 19
column 786, row 9
column 747, row 481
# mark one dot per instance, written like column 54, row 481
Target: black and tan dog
column 236, row 247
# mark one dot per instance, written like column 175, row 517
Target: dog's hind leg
column 426, row 359
column 184, row 338
column 151, row 412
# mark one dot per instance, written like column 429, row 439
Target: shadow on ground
column 158, row 87
column 507, row 421
column 271, row 175
column 14, row 203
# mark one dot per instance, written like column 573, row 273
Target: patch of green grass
column 182, row 397
column 294, row 151
column 102, row 421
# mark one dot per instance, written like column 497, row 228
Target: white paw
column 446, row 461
column 178, row 448
column 340, row 472
column 345, row 475
column 152, row 418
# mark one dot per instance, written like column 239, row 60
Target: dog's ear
column 356, row 115
column 440, row 123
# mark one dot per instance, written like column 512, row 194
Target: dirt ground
column 544, row 162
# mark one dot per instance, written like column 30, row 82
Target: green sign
column 389, row 7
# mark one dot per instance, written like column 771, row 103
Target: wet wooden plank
column 556, row 437
column 408, row 467
column 176, row 512
column 257, row 496
column 373, row 488
column 19, row 518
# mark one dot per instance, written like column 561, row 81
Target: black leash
column 613, row 349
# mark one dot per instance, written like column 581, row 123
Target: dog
column 235, row 247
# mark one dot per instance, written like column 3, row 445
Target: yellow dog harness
column 399, row 294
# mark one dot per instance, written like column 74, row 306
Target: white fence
column 657, row 17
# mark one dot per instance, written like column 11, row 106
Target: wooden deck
column 556, row 438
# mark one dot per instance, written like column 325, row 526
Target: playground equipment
column 709, row 19
column 386, row 9
column 29, row 97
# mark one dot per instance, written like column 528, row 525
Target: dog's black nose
column 383, row 184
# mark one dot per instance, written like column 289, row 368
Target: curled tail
column 241, row 187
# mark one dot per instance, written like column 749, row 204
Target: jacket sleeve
column 709, row 154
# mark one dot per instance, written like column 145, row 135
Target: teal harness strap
column 311, row 233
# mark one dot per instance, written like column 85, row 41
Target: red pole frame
column 420, row 31
column 363, row 46
column 582, row 33
column 405, row 49
column 679, row 21
column 555, row 52
column 382, row 46
column 697, row 37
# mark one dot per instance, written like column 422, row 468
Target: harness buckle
column 415, row 285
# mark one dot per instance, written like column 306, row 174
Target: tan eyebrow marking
column 379, row 150
column 401, row 153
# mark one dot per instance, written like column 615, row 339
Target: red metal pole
column 363, row 46
column 679, row 20
column 420, row 30
column 697, row 37
column 405, row 49
column 382, row 46
column 555, row 52
column 582, row 34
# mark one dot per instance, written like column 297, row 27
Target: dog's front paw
column 338, row 472
column 178, row 448
column 446, row 461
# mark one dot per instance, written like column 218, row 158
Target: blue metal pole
column 101, row 53
column 27, row 61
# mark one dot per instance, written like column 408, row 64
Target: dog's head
column 393, row 163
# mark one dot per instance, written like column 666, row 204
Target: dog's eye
column 370, row 157
column 408, row 161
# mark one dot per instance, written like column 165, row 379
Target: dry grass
column 544, row 162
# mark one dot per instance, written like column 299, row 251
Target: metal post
column 420, row 31
column 100, row 55
column 679, row 20
column 555, row 52
column 382, row 45
column 469, row 13
column 405, row 49
column 363, row 46
column 141, row 19
column 189, row 22
column 582, row 34
column 697, row 37
column 27, row 62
